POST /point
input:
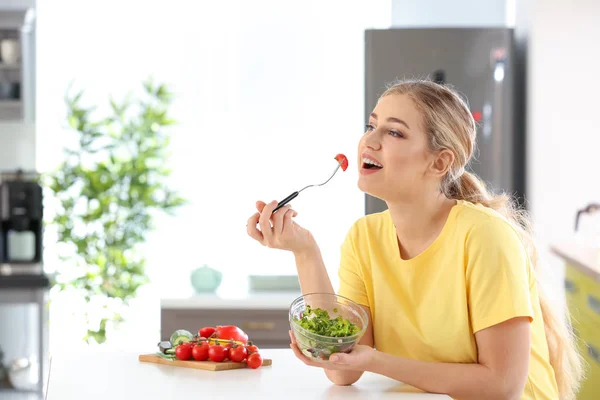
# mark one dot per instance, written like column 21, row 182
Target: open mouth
column 371, row 164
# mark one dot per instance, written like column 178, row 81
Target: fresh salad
column 318, row 321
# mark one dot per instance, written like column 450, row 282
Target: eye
column 369, row 127
column 396, row 134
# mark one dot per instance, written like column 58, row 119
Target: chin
column 371, row 190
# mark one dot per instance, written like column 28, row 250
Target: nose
column 373, row 140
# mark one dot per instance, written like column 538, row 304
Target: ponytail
column 564, row 357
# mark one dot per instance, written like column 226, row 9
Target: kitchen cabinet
column 27, row 289
column 17, row 63
column 582, row 288
column 263, row 316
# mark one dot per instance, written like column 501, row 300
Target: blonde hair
column 449, row 124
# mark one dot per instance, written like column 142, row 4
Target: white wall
column 443, row 13
column 563, row 104
column 16, row 4
column 266, row 93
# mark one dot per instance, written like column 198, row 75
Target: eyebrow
column 393, row 119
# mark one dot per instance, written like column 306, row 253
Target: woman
column 446, row 274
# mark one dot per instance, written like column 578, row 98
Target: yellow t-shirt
column 474, row 275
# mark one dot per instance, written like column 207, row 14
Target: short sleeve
column 352, row 283
column 497, row 275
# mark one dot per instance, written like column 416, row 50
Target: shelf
column 8, row 393
column 10, row 103
column 6, row 389
column 23, row 296
column 24, row 282
column 4, row 66
column 11, row 110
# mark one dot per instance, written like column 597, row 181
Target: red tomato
column 216, row 353
column 206, row 331
column 254, row 360
column 342, row 160
column 200, row 351
column 238, row 353
column 228, row 347
column 184, row 351
column 231, row 332
column 252, row 349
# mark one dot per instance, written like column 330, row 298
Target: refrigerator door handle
column 492, row 115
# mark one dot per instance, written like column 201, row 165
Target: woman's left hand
column 357, row 360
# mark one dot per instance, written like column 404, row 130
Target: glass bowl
column 319, row 347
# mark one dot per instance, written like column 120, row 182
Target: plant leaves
column 108, row 190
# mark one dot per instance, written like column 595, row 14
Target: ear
column 441, row 163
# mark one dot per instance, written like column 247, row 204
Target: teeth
column 369, row 161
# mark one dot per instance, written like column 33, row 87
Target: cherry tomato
column 238, row 353
column 231, row 332
column 206, row 331
column 254, row 360
column 184, row 351
column 228, row 347
column 200, row 351
column 252, row 349
column 216, row 353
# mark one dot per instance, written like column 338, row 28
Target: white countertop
column 250, row 300
column 584, row 258
column 120, row 376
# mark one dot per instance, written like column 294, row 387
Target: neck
column 419, row 221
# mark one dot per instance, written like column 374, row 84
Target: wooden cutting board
column 207, row 365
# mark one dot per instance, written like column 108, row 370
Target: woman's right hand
column 279, row 231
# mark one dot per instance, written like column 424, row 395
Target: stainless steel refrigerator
column 485, row 65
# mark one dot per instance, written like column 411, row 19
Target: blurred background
column 136, row 136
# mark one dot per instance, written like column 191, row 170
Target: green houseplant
column 106, row 192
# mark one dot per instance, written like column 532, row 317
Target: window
column 267, row 93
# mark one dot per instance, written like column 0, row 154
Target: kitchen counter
column 116, row 376
column 249, row 300
column 585, row 259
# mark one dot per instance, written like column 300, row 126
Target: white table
column 116, row 376
column 276, row 300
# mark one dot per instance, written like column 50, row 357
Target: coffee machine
column 21, row 224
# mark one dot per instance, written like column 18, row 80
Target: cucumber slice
column 166, row 356
column 180, row 336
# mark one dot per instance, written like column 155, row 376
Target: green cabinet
column 582, row 288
